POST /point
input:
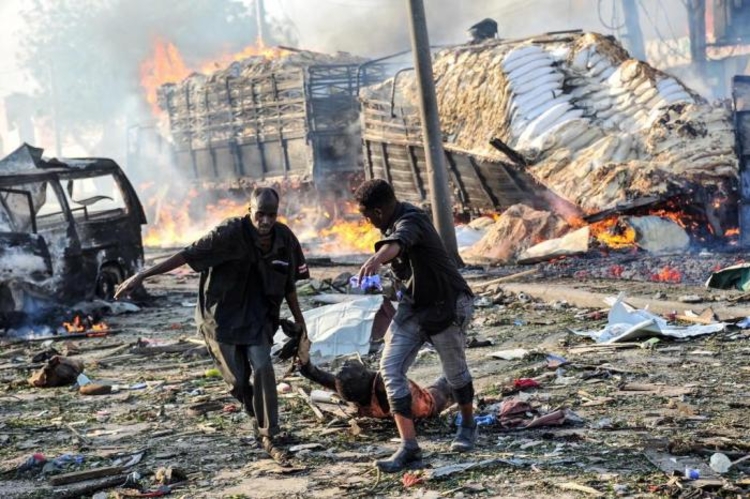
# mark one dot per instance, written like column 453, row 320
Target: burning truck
column 289, row 119
column 273, row 116
column 567, row 123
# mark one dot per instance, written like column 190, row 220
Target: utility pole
column 633, row 25
column 697, row 26
column 442, row 211
column 260, row 19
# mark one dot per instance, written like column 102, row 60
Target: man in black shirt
column 248, row 266
column 436, row 306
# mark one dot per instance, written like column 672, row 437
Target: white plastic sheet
column 467, row 236
column 626, row 323
column 340, row 329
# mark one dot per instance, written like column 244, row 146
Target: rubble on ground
column 563, row 416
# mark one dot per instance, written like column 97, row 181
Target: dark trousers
column 237, row 363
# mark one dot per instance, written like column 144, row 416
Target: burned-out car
column 70, row 230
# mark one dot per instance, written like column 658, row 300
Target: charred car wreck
column 70, row 230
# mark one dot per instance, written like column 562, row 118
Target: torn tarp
column 625, row 323
column 343, row 328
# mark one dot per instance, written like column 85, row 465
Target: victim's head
column 354, row 382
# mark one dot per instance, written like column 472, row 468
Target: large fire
column 613, row 234
column 167, row 65
column 173, row 226
column 356, row 235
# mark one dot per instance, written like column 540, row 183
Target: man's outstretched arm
column 133, row 282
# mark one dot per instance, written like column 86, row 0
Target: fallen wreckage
column 566, row 123
column 70, row 230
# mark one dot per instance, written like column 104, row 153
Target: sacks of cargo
column 595, row 126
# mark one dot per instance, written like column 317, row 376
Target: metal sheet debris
column 626, row 323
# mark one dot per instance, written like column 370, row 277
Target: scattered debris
column 571, row 244
column 169, row 476
column 452, row 469
column 734, row 277
column 58, row 371
column 514, row 354
column 625, row 323
column 580, row 488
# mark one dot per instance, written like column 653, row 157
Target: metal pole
column 633, row 24
column 440, row 199
column 697, row 33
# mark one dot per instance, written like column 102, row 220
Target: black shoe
column 465, row 439
column 403, row 458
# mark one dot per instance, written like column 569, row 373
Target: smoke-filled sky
column 378, row 27
column 375, row 27
column 364, row 27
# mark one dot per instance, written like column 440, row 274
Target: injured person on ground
column 363, row 387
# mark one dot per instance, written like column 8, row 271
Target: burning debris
column 83, row 324
column 515, row 230
column 586, row 121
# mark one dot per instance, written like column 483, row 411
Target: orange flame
column 166, row 65
column 356, row 236
column 76, row 326
column 612, row 234
column 667, row 274
column 79, row 325
column 174, row 226
column 258, row 50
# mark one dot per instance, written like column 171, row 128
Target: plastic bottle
column 368, row 282
column 483, row 420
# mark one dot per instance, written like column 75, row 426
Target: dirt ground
column 638, row 414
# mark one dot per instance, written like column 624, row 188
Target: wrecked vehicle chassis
column 69, row 231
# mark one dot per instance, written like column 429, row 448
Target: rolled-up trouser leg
column 402, row 343
column 450, row 345
column 232, row 363
column 265, row 401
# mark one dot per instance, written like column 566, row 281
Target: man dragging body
column 436, row 306
column 248, row 266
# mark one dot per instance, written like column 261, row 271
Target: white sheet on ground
column 340, row 329
column 626, row 323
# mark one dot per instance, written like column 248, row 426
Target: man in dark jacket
column 436, row 306
column 248, row 266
